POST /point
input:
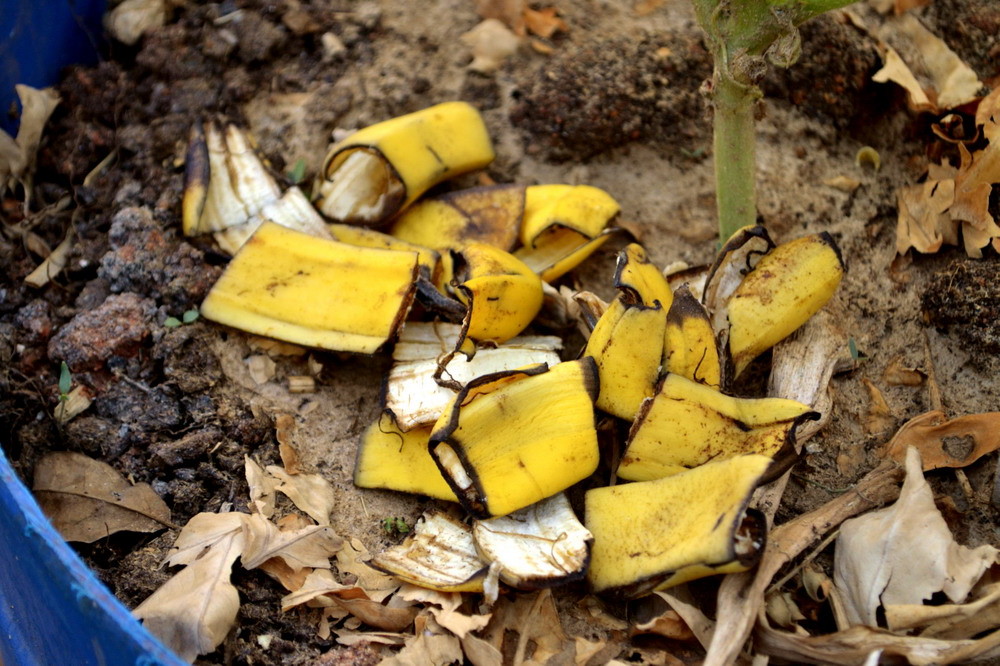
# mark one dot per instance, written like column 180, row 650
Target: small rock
column 36, row 319
column 143, row 409
column 117, row 327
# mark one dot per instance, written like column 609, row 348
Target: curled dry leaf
column 430, row 644
column 87, row 500
column 904, row 554
column 17, row 156
column 193, row 611
column 311, row 493
column 202, row 532
column 950, row 621
column 308, row 547
column 943, row 443
column 262, row 488
column 543, row 22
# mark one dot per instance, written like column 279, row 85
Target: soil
column 614, row 103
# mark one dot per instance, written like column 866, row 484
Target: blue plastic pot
column 53, row 610
column 40, row 37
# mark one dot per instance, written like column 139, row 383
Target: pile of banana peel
column 485, row 408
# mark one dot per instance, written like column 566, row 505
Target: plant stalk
column 735, row 156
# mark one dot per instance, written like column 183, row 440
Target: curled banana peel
column 295, row 287
column 395, row 460
column 425, row 375
column 690, row 349
column 513, row 438
column 490, row 215
column 540, row 546
column 787, row 287
column 380, row 169
column 501, row 293
column 562, row 226
column 439, row 555
column 687, row 424
column 735, row 260
column 627, row 348
column 428, row 259
column 640, row 280
column 655, row 534
column 228, row 192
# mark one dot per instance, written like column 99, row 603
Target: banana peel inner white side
column 414, row 393
column 542, row 545
column 439, row 555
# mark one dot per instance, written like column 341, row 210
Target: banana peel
column 439, row 555
column 419, row 387
column 392, row 459
column 640, row 280
column 381, row 169
column 501, row 293
column 653, row 535
column 490, row 214
column 687, row 424
column 314, row 292
column 787, row 287
column 229, row 192
column 540, row 546
column 513, row 438
column 690, row 349
column 736, row 259
column 428, row 259
column 562, row 226
column 627, row 347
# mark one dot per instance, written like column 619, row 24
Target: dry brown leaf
column 543, row 22
column 901, row 6
column 353, row 559
column 943, row 443
column 491, row 43
column 262, row 487
column 311, row 493
column 291, row 579
column 87, row 500
column 988, row 110
column 430, row 645
column 696, row 620
column 535, row 620
column 895, row 70
column 904, row 554
column 897, row 374
column 350, row 637
column 949, row 621
column 667, row 624
column 879, row 418
column 507, row 11
column 202, row 532
column 309, row 547
column 77, row 401
column 444, row 606
column 193, row 611
column 53, row 264
column 387, row 617
column 318, row 584
column 284, row 432
column 741, row 595
column 855, row 646
column 17, row 156
column 973, row 184
column 843, row 183
column 480, row 652
column 924, row 222
column 261, row 368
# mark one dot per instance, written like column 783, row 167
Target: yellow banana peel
column 513, row 438
column 627, row 346
column 655, row 534
column 584, row 209
column 558, row 251
column 787, row 287
column 502, row 294
column 288, row 285
column 687, row 424
column 490, row 215
column 439, row 555
column 539, row 546
column 379, row 170
column 690, row 349
column 640, row 280
column 395, row 460
column 734, row 261
column 429, row 260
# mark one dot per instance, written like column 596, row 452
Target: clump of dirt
column 964, row 300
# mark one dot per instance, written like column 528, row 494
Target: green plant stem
column 735, row 156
